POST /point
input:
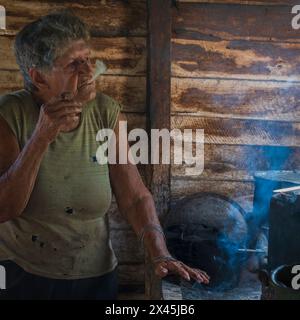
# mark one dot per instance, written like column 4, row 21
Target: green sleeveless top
column 63, row 232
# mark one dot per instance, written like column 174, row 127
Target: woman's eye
column 72, row 66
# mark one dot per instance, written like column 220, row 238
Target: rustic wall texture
column 235, row 73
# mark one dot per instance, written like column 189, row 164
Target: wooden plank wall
column 236, row 74
column 118, row 38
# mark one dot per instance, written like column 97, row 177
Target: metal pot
column 277, row 285
column 205, row 231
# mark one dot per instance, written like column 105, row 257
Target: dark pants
column 22, row 285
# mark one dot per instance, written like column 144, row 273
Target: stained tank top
column 63, row 232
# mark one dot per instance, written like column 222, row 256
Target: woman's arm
column 18, row 171
column 136, row 203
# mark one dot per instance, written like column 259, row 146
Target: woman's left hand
column 164, row 268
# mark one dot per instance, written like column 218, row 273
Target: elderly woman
column 54, row 196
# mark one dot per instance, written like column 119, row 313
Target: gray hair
column 42, row 41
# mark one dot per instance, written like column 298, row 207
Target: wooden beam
column 236, row 59
column 124, row 56
column 242, row 132
column 217, row 22
column 248, row 99
column 105, row 18
column 240, row 162
column 158, row 102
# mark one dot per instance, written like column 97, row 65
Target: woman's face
column 72, row 74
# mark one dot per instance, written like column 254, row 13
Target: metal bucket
column 278, row 286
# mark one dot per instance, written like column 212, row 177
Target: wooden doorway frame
column 159, row 24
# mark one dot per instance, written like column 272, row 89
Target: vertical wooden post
column 158, row 103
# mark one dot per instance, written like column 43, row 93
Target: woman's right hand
column 54, row 115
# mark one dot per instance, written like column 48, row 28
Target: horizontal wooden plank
column 245, row 2
column 8, row 61
column 278, row 101
column 129, row 91
column 126, row 246
column 257, row 60
column 136, row 121
column 241, row 192
column 10, row 81
column 242, row 132
column 231, row 22
column 239, row 163
column 131, row 273
column 8, row 33
column 105, row 18
column 123, row 56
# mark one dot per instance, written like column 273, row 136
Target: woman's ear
column 38, row 79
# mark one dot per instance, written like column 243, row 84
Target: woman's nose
column 85, row 67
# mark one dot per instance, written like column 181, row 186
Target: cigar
column 100, row 69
